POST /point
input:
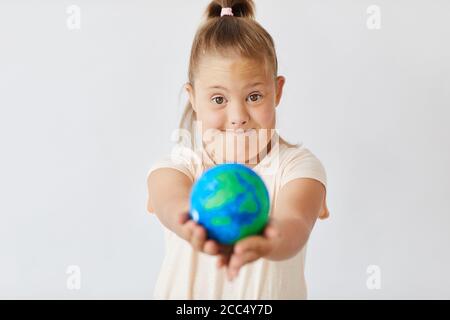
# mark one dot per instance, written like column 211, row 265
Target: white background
column 84, row 113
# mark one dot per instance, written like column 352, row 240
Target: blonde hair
column 240, row 34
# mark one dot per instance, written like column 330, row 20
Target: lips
column 241, row 131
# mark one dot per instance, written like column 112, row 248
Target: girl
column 234, row 91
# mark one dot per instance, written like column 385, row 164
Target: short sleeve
column 302, row 163
column 181, row 160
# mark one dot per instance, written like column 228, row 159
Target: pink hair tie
column 226, row 12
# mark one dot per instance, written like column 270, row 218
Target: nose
column 239, row 123
column 238, row 117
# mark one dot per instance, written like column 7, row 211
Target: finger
column 220, row 261
column 183, row 217
column 223, row 260
column 188, row 229
column 238, row 261
column 211, row 247
column 198, row 238
column 253, row 243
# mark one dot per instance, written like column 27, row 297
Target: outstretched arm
column 295, row 213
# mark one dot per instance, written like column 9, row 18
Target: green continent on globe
column 231, row 201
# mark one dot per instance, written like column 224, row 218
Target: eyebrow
column 223, row 88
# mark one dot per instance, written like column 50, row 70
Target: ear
column 279, row 83
column 190, row 90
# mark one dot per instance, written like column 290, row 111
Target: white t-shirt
column 189, row 274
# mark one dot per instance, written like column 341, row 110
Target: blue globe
column 231, row 202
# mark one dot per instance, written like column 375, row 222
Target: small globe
column 231, row 202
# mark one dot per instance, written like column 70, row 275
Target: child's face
column 230, row 95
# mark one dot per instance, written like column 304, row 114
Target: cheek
column 210, row 118
column 265, row 117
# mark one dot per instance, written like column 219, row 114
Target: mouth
column 240, row 131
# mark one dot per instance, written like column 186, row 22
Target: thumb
column 255, row 243
column 272, row 231
column 183, row 217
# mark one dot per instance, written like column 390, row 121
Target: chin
column 227, row 147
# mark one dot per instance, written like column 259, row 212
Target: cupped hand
column 197, row 236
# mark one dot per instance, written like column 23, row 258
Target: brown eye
column 218, row 100
column 254, row 97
